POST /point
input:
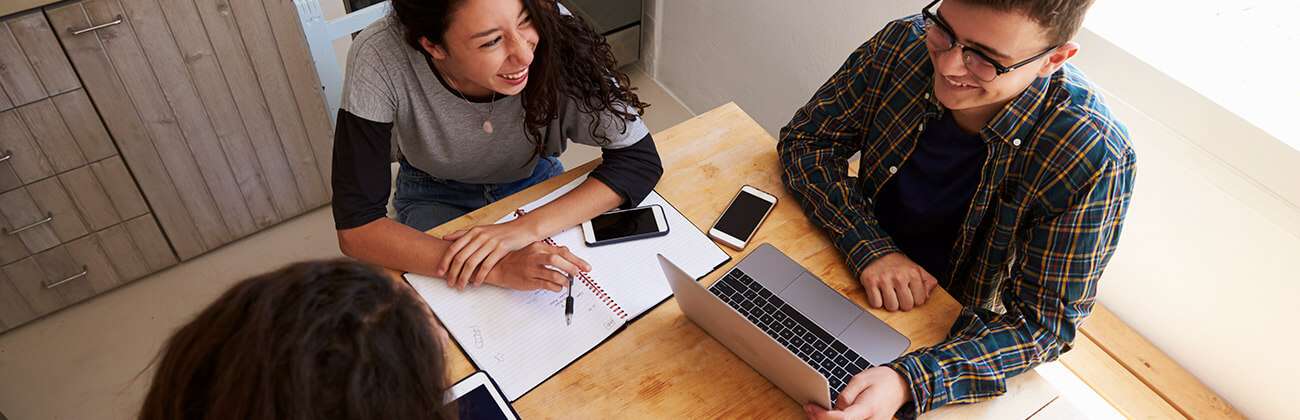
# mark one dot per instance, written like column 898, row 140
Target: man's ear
column 1057, row 58
column 436, row 51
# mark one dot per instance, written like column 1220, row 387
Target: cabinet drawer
column 79, row 269
column 23, row 159
column 59, row 209
column 30, row 224
column 50, row 136
column 32, row 64
column 54, row 201
column 38, row 217
column 67, row 274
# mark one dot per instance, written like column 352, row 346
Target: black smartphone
column 625, row 225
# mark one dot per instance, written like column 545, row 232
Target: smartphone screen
column 624, row 223
column 741, row 219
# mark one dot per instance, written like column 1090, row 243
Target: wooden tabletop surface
column 663, row 365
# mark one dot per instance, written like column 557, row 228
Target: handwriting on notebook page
column 519, row 332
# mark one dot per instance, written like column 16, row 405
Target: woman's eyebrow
column 493, row 30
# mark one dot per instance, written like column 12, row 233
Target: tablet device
column 478, row 398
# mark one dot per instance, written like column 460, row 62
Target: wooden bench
column 1137, row 378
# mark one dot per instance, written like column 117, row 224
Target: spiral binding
column 588, row 280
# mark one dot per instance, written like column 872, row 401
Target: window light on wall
column 1242, row 54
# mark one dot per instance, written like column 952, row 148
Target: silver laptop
column 787, row 324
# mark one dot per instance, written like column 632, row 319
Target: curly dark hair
column 571, row 60
column 314, row 340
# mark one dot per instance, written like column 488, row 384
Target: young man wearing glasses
column 990, row 167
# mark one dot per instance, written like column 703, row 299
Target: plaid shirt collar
column 1017, row 119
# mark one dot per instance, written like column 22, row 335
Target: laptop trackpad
column 874, row 340
column 820, row 303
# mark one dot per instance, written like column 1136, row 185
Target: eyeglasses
column 939, row 38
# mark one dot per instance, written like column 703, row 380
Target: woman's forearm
column 390, row 244
column 589, row 199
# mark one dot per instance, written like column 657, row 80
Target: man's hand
column 894, row 282
column 876, row 393
column 535, row 267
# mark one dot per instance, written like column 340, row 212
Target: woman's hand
column 475, row 251
column 537, row 266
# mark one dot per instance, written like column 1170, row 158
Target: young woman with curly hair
column 481, row 96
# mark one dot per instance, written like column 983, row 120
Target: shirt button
column 893, row 170
column 1015, row 142
column 927, row 95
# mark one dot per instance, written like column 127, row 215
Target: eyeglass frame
column 952, row 36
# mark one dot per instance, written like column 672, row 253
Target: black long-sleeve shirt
column 361, row 178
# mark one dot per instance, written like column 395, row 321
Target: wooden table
column 663, row 365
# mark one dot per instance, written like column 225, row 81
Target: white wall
column 766, row 55
column 650, row 12
column 1205, row 264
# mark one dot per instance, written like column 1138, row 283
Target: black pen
column 568, row 304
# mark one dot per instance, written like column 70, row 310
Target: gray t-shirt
column 442, row 134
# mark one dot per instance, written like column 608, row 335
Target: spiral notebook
column 520, row 338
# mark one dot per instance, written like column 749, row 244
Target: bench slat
column 1114, row 383
column 1154, row 368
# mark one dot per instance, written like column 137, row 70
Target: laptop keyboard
column 796, row 332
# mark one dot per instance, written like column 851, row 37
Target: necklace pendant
column 487, row 126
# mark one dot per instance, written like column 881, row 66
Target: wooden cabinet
column 225, row 132
column 135, row 134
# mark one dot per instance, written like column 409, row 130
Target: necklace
column 487, row 119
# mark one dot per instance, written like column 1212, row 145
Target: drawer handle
column 99, row 26
column 9, row 154
column 48, row 217
column 83, row 272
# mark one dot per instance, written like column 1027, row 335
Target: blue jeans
column 424, row 202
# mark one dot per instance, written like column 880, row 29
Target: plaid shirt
column 1040, row 228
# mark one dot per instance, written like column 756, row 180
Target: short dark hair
column 314, row 340
column 1061, row 18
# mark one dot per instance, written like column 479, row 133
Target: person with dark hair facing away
column 480, row 97
column 990, row 167
column 314, row 340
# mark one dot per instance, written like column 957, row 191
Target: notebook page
column 518, row 337
column 629, row 271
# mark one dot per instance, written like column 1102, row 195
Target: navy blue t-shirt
column 923, row 205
